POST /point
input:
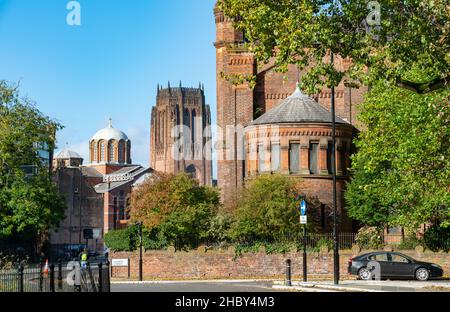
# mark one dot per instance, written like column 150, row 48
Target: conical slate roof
column 68, row 154
column 298, row 108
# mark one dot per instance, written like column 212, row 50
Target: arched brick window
column 94, row 151
column 102, row 151
column 121, row 152
column 128, row 152
column 111, row 151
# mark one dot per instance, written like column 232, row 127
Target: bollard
column 21, row 277
column 52, row 278
column 100, row 277
column 60, row 278
column 288, row 272
column 108, row 277
column 77, row 282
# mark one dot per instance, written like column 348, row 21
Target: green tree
column 267, row 208
column 175, row 207
column 402, row 168
column 29, row 204
column 303, row 32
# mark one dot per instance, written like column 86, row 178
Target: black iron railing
column 57, row 277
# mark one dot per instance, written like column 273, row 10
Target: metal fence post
column 21, row 269
column 288, row 272
column 52, row 278
column 108, row 277
column 100, row 277
column 41, row 277
column 60, row 278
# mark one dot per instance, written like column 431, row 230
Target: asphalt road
column 196, row 287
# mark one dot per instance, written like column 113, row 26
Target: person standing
column 84, row 257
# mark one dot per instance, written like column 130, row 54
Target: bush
column 410, row 242
column 325, row 242
column 219, row 228
column 267, row 209
column 122, row 240
column 437, row 238
column 175, row 207
column 369, row 238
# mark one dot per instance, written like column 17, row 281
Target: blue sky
column 110, row 65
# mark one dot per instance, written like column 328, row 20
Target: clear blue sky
column 110, row 65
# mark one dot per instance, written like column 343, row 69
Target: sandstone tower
column 180, row 136
column 239, row 105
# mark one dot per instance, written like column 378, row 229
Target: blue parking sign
column 303, row 208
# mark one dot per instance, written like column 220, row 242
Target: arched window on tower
column 194, row 115
column 93, row 151
column 128, row 152
column 121, row 152
column 162, row 127
column 111, row 151
column 187, row 140
column 102, row 151
column 177, row 113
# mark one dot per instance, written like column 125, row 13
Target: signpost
column 304, row 222
column 121, row 263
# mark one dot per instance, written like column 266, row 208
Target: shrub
column 219, row 228
column 122, row 240
column 369, row 238
column 437, row 238
column 267, row 209
column 325, row 242
column 410, row 242
column 176, row 207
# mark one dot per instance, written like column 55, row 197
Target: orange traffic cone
column 45, row 271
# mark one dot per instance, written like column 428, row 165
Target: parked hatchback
column 392, row 265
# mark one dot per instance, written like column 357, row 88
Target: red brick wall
column 166, row 265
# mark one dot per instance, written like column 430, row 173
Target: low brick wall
column 224, row 264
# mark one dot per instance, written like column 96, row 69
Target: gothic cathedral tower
column 180, row 136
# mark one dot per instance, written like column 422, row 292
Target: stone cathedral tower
column 239, row 105
column 180, row 136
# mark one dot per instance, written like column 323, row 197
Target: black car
column 385, row 265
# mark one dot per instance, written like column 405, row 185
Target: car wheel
column 422, row 274
column 365, row 274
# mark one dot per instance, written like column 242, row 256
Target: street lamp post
column 333, row 163
column 140, row 252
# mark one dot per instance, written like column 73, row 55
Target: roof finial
column 110, row 122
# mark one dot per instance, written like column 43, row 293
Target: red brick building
column 295, row 139
column 239, row 105
column 97, row 194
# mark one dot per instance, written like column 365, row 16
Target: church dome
column 110, row 133
column 68, row 154
column 110, row 146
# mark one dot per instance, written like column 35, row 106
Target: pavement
column 241, row 286
column 369, row 286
